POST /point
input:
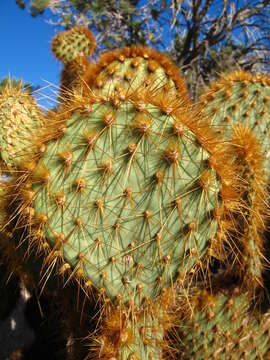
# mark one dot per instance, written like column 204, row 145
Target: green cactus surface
column 19, row 118
column 238, row 106
column 242, row 98
column 126, row 70
column 252, row 217
column 147, row 340
column 124, row 196
column 141, row 335
column 68, row 45
column 125, row 338
column 223, row 326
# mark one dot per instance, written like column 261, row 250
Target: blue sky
column 25, row 46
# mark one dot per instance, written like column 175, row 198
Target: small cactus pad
column 223, row 326
column 126, row 70
column 253, row 214
column 123, row 338
column 143, row 335
column 19, row 120
column 78, row 41
column 124, row 194
column 243, row 98
column 239, row 242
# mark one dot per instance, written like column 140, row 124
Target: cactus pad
column 19, row 119
column 238, row 106
column 223, row 327
column 129, row 69
column 141, row 335
column 123, row 195
column 68, row 45
column 252, row 216
column 123, row 338
column 241, row 98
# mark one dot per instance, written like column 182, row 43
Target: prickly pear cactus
column 124, row 336
column 223, row 326
column 243, row 98
column 126, row 70
column 237, row 106
column 122, row 198
column 73, row 47
column 119, row 191
column 19, row 119
column 68, row 45
column 253, row 214
column 129, row 191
